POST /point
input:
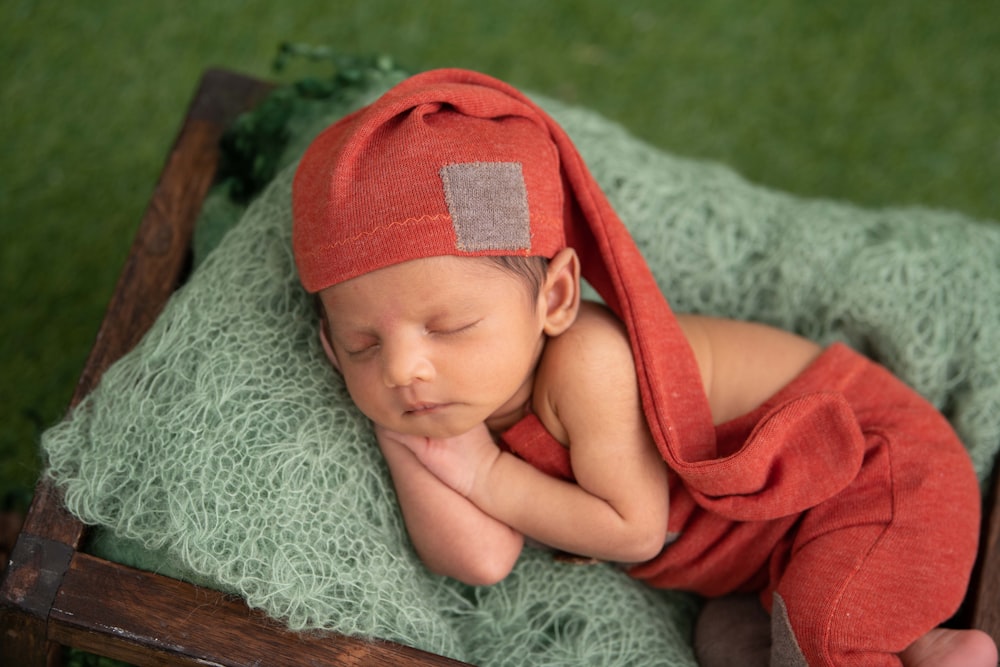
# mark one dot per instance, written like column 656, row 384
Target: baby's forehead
column 431, row 291
column 437, row 276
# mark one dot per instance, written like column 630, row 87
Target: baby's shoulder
column 596, row 337
column 581, row 368
column 593, row 352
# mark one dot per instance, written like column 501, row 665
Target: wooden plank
column 34, row 585
column 148, row 619
column 986, row 580
column 30, row 586
column 24, row 642
column 156, row 264
column 48, row 518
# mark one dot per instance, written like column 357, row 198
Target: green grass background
column 879, row 103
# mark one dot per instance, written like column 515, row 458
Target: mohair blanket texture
column 224, row 450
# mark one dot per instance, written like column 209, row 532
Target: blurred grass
column 878, row 103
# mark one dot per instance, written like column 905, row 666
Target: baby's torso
column 741, row 364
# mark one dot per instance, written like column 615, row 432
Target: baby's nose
column 406, row 363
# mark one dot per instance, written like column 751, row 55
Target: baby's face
column 435, row 346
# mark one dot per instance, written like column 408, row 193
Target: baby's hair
column 531, row 269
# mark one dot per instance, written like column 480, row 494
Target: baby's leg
column 735, row 631
column 878, row 567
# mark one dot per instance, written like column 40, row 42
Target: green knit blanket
column 223, row 450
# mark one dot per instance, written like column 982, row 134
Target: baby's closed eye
column 450, row 329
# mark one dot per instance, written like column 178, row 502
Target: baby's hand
column 456, row 461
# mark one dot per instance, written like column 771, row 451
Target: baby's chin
column 431, row 429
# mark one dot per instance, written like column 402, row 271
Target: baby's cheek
column 361, row 393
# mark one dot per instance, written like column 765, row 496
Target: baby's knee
column 804, row 635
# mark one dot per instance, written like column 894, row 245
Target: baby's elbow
column 484, row 571
column 640, row 552
column 480, row 567
column 487, row 572
column 644, row 544
column 650, row 548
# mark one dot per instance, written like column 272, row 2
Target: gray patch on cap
column 488, row 203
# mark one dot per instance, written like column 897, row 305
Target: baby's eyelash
column 362, row 350
column 455, row 330
column 372, row 347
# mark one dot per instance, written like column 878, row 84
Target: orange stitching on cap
column 538, row 221
column 380, row 228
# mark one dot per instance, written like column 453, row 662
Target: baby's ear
column 324, row 339
column 561, row 292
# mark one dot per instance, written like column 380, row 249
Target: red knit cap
column 432, row 168
column 452, row 162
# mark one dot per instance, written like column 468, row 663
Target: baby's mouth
column 424, row 408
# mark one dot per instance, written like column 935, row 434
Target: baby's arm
column 586, row 395
column 451, row 535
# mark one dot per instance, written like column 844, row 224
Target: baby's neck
column 510, row 414
column 518, row 406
